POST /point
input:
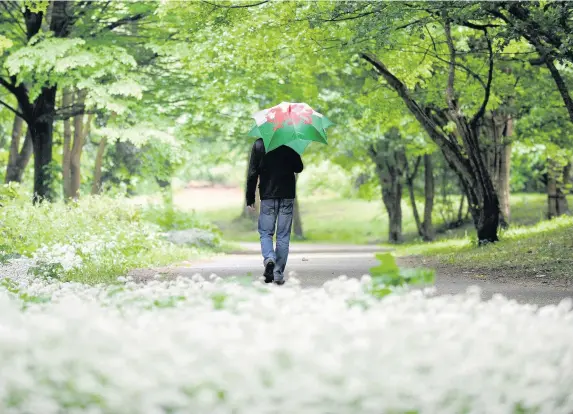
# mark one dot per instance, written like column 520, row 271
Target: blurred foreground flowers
column 218, row 346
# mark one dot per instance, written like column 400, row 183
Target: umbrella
column 292, row 124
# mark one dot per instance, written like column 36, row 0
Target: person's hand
column 251, row 207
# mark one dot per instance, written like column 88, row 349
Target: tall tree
column 457, row 134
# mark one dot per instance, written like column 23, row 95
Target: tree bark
column 14, row 153
column 17, row 166
column 503, row 183
column 461, row 210
column 410, row 177
column 42, row 131
column 390, row 167
column 80, row 133
column 24, row 158
column 498, row 128
column 427, row 225
column 67, row 101
column 392, row 198
column 461, row 148
column 557, row 178
column 96, row 185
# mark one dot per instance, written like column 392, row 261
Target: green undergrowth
column 94, row 240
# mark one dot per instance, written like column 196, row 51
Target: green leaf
column 386, row 267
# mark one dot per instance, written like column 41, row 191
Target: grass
column 544, row 249
column 358, row 221
column 324, row 220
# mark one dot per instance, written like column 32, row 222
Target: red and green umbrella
column 292, row 124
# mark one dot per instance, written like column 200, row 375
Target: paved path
column 315, row 264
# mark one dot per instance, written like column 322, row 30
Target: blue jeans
column 276, row 212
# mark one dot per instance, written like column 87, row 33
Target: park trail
column 314, row 264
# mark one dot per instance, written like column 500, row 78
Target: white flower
column 192, row 345
column 63, row 254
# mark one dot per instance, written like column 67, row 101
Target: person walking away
column 275, row 172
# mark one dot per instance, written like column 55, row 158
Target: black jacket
column 276, row 171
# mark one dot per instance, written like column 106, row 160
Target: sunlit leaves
column 5, row 43
column 36, row 6
column 137, row 135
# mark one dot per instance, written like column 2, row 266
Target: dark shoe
column 269, row 271
column 280, row 282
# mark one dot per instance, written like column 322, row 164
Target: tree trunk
column 392, row 198
column 67, row 101
column 42, row 131
column 427, row 225
column 557, row 178
column 498, row 128
column 24, row 158
column 390, row 167
column 96, row 185
column 410, row 177
column 15, row 171
column 80, row 133
column 503, row 184
column 14, row 153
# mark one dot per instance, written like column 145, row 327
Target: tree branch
column 455, row 158
column 431, row 38
column 244, row 6
column 358, row 16
column 4, row 104
column 483, row 107
column 464, row 67
column 121, row 22
column 561, row 86
column 477, row 26
column 63, row 114
column 419, row 113
column 20, row 93
column 411, row 177
column 450, row 96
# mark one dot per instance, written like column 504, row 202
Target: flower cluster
column 218, row 346
column 62, row 254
